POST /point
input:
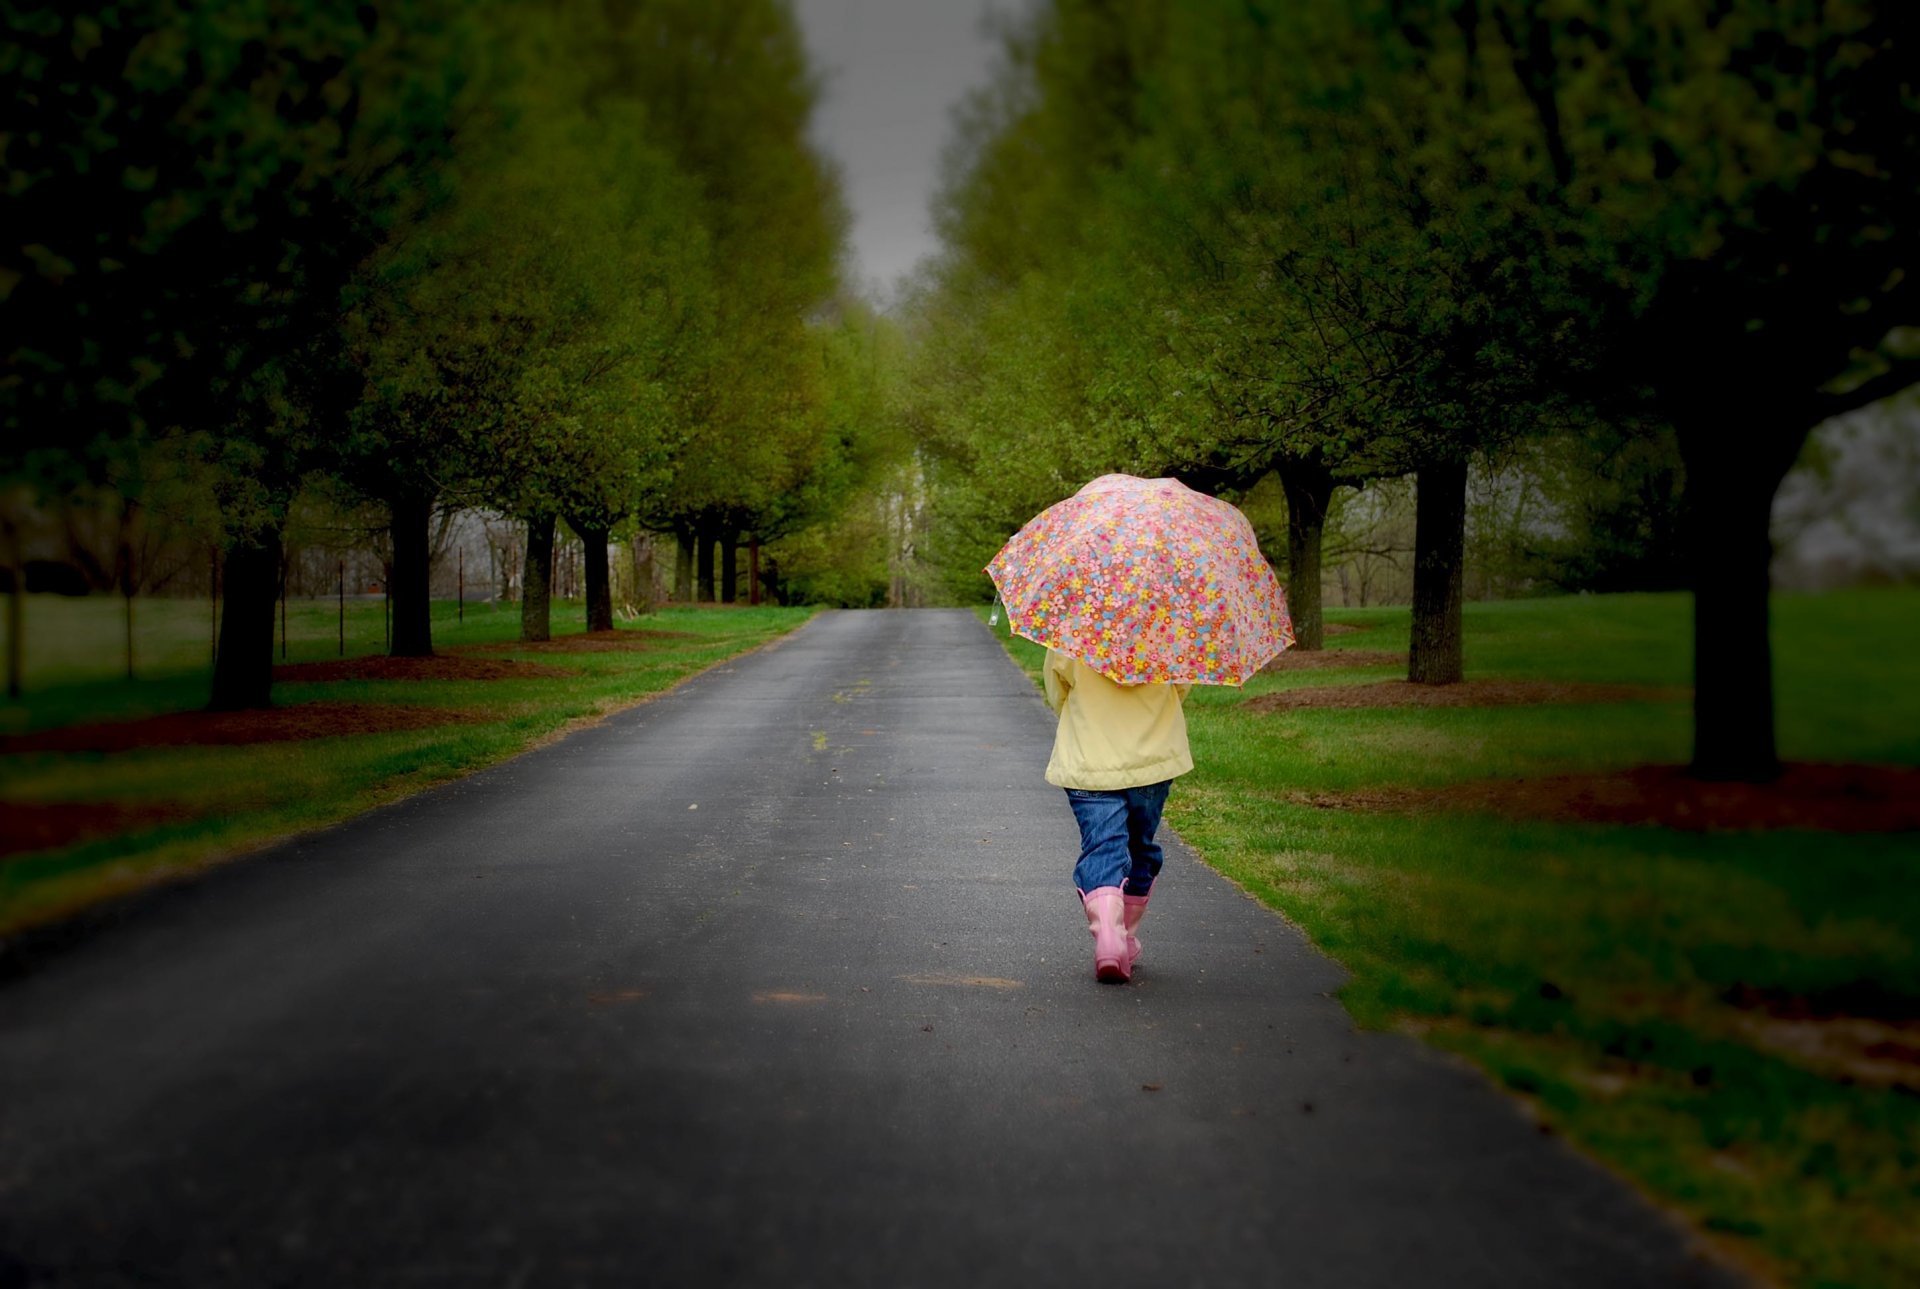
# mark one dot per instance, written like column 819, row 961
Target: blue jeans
column 1116, row 837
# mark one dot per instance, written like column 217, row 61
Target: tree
column 1233, row 277
column 853, row 435
column 195, row 187
column 1726, row 199
column 726, row 92
column 519, row 347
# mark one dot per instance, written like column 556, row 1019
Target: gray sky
column 894, row 70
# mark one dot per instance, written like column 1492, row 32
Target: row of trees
column 571, row 262
column 1333, row 242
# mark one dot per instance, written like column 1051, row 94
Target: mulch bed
column 27, row 826
column 615, row 641
column 1314, row 660
column 228, row 729
column 1467, row 693
column 439, row 667
column 1816, row 797
column 1860, row 1031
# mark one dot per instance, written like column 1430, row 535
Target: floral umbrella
column 1145, row 580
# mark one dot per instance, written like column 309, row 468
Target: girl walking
column 1139, row 589
column 1116, row 751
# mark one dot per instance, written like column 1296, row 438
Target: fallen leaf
column 973, row 982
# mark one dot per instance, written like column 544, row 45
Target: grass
column 1588, row 968
column 232, row 799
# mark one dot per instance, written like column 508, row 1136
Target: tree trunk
column 243, row 670
column 126, row 593
column 16, row 601
column 729, row 566
column 1729, row 510
column 1439, row 548
column 410, row 516
column 1309, row 489
column 640, row 549
column 683, row 565
column 536, row 581
column 703, row 560
column 593, row 547
column 128, row 583
column 753, row 571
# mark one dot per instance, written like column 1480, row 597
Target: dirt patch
column 1341, row 629
column 27, row 826
column 1819, row 798
column 1316, row 659
column 1860, row 1032
column 227, row 729
column 615, row 641
column 1468, row 693
column 439, row 667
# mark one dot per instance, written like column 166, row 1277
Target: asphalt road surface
column 776, row 980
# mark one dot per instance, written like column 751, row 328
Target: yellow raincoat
column 1110, row 735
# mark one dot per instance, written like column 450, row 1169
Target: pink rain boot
column 1136, row 910
column 1106, row 919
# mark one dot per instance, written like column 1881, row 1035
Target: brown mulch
column 1467, row 693
column 27, row 826
column 614, row 641
column 228, row 729
column 439, row 667
column 1860, row 1031
column 1314, row 660
column 1818, row 797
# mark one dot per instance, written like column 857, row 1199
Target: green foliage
column 1719, row 200
column 724, row 91
column 1621, row 498
column 525, row 345
column 837, row 533
column 1371, row 234
column 551, row 258
column 193, row 187
column 846, row 564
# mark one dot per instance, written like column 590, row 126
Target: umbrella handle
column 993, row 618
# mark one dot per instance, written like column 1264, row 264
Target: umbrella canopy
column 1145, row 580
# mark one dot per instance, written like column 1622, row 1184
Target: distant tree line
column 1647, row 246
column 573, row 263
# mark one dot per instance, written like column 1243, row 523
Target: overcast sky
column 894, row 70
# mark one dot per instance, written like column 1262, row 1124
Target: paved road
column 776, row 980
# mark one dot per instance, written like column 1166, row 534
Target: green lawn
column 227, row 800
column 1591, row 968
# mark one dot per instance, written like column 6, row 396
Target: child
column 1116, row 752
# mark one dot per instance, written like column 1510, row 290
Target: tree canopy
column 1350, row 241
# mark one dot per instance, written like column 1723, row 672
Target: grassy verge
column 1597, row 970
column 219, row 801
